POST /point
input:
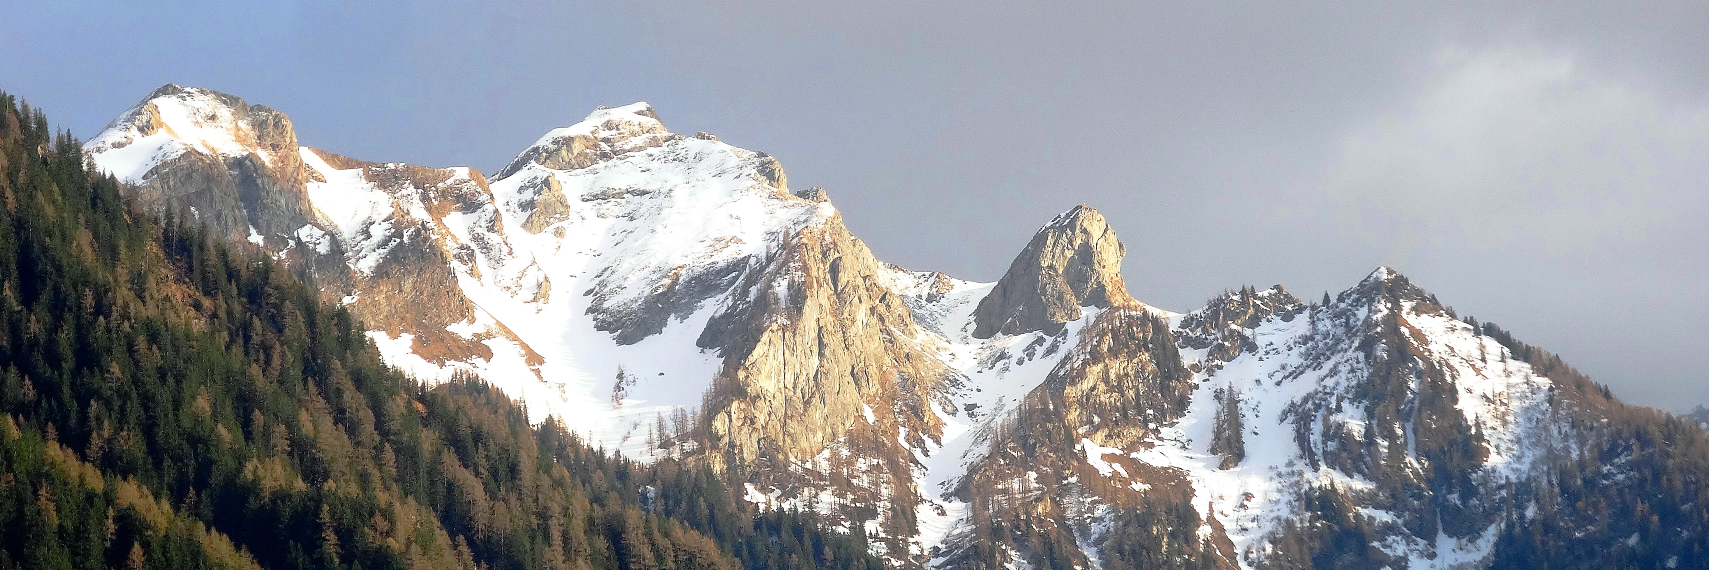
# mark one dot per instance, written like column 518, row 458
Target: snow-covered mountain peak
column 607, row 132
column 667, row 220
column 174, row 120
column 611, row 125
column 1382, row 289
column 1383, row 276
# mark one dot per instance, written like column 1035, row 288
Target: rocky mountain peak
column 230, row 165
column 607, row 132
column 1385, row 286
column 1072, row 262
column 174, row 120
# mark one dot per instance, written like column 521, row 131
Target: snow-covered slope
column 635, row 254
column 1302, row 377
column 1307, row 366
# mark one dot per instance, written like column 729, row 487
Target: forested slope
column 167, row 401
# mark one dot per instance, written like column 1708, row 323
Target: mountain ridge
column 616, row 274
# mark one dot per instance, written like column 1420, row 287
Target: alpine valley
column 671, row 299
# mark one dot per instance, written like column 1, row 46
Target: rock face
column 371, row 235
column 212, row 157
column 823, row 370
column 604, row 135
column 823, row 337
column 401, row 258
column 1073, row 262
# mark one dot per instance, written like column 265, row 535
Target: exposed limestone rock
column 1072, row 262
column 814, row 194
column 1120, row 382
column 196, row 187
column 770, row 173
column 821, row 343
column 571, row 153
column 548, row 206
column 1123, row 378
column 413, row 287
column 256, row 184
column 580, row 146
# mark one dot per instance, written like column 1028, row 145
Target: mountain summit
column 232, row 166
column 1072, row 262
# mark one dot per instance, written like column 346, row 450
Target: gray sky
column 1544, row 167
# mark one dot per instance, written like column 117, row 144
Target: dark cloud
column 1540, row 166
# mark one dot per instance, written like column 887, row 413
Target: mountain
column 670, row 297
column 168, row 401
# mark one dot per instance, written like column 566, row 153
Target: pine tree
column 1228, row 428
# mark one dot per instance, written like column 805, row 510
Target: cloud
column 1523, row 149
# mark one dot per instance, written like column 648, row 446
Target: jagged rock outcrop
column 1114, row 389
column 1123, row 380
column 604, row 135
column 1223, row 325
column 546, row 204
column 402, row 266
column 1072, row 262
column 824, row 360
column 212, row 157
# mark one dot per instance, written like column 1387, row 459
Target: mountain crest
column 232, row 166
column 1384, row 285
column 668, row 297
column 174, row 120
column 1072, row 262
column 605, row 133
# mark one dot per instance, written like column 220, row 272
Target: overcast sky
column 1543, row 167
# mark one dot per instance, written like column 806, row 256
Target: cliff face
column 825, row 389
column 398, row 254
column 822, row 339
column 370, row 235
column 1073, row 262
column 212, row 157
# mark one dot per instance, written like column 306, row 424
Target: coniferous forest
column 169, row 401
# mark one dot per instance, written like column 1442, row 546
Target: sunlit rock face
column 1073, row 262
